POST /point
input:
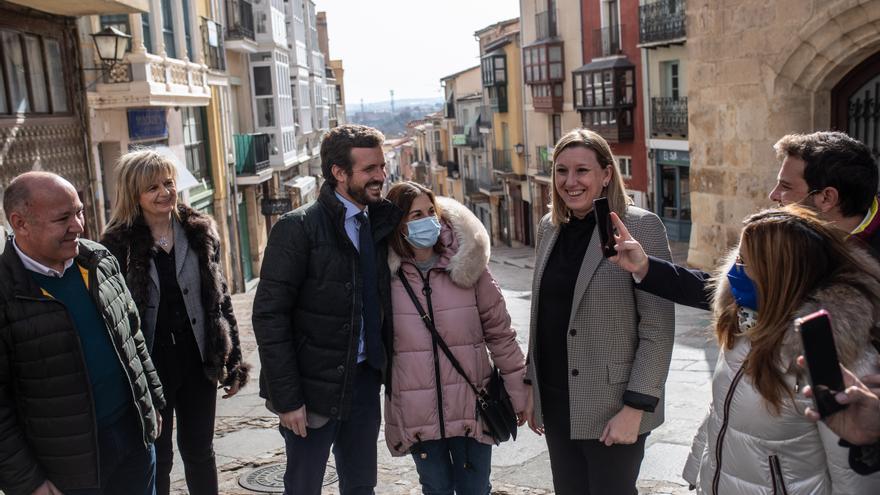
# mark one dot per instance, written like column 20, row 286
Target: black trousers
column 586, row 467
column 192, row 398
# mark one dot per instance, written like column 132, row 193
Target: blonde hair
column 615, row 191
column 135, row 171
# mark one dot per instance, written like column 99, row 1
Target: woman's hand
column 529, row 413
column 623, row 428
column 231, row 390
column 630, row 254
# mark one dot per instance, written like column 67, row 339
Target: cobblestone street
column 247, row 437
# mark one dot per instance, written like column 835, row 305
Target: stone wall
column 758, row 70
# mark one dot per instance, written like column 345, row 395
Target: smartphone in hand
column 606, row 227
column 822, row 364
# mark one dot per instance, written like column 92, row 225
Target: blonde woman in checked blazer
column 599, row 349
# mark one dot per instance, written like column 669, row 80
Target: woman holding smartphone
column 599, row 350
column 756, row 439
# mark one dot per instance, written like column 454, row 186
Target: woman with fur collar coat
column 755, row 439
column 169, row 254
column 442, row 250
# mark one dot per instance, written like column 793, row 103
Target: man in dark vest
column 78, row 391
column 320, row 317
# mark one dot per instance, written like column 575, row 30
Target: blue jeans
column 127, row 466
column 353, row 441
column 459, row 464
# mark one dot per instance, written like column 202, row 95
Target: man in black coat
column 78, row 391
column 322, row 317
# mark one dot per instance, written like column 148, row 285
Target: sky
column 406, row 45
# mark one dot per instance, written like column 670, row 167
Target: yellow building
column 503, row 91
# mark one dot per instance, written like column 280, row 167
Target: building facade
column 759, row 70
column 664, row 89
column 552, row 45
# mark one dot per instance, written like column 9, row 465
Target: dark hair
column 15, row 198
column 402, row 195
column 833, row 159
column 337, row 144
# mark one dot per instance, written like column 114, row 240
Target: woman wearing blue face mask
column 756, row 439
column 441, row 250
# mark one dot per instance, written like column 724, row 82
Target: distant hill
column 385, row 106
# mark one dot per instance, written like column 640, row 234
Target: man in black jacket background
column 78, row 391
column 320, row 321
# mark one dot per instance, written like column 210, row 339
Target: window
column 494, row 69
column 32, row 75
column 264, row 96
column 557, row 128
column 194, row 142
column 37, row 74
column 168, row 29
column 148, row 35
column 670, row 82
column 624, row 163
column 187, row 29
column 604, row 88
column 543, row 63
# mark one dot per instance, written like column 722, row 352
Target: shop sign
column 459, row 139
column 147, row 123
column 275, row 206
column 674, row 157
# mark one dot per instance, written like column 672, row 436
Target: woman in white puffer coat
column 756, row 439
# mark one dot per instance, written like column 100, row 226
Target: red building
column 608, row 85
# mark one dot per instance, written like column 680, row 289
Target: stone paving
column 247, row 436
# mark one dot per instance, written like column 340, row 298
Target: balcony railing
column 251, row 153
column 470, row 139
column 545, row 24
column 485, row 117
column 240, row 19
column 544, row 160
column 663, row 20
column 151, row 80
column 501, row 161
column 212, row 41
column 470, row 186
column 669, row 116
column 606, row 41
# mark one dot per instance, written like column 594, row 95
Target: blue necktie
column 370, row 295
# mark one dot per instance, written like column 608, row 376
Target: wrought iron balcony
column 545, row 25
column 251, row 153
column 606, row 41
column 212, row 43
column 669, row 116
column 544, row 160
column 240, row 19
column 501, row 161
column 662, row 22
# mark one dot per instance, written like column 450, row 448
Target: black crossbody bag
column 493, row 403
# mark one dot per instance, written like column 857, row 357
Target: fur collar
column 855, row 314
column 466, row 244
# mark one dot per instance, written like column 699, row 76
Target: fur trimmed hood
column 466, row 244
column 855, row 315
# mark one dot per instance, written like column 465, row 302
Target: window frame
column 537, row 66
column 21, row 38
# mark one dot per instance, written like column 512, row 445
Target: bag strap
column 431, row 328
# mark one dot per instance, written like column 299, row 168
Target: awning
column 304, row 184
column 608, row 63
column 185, row 178
column 87, row 7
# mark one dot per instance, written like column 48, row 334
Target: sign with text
column 673, row 157
column 275, row 206
column 147, row 123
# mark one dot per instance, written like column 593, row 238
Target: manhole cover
column 270, row 479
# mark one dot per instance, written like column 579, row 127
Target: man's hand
column 47, row 488
column 630, row 255
column 623, row 428
column 530, row 412
column 858, row 424
column 295, row 421
column 158, row 423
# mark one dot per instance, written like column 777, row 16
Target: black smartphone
column 821, row 355
column 606, row 227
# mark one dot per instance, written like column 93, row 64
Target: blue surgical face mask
column 742, row 287
column 424, row 232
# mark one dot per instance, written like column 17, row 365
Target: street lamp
column 111, row 44
column 519, row 148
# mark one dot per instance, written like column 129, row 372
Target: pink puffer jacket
column 470, row 315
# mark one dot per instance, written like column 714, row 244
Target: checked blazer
column 624, row 336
